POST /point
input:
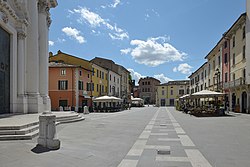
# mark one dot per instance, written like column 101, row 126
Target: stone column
column 32, row 61
column 43, row 23
column 22, row 100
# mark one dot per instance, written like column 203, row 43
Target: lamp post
column 217, row 74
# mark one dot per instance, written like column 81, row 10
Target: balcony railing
column 238, row 82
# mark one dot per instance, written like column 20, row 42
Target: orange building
column 69, row 86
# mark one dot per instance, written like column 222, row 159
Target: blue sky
column 165, row 39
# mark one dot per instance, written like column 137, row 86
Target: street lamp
column 217, row 74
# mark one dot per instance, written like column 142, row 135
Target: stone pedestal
column 47, row 131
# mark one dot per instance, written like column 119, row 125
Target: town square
column 124, row 84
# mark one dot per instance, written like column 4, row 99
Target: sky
column 164, row 39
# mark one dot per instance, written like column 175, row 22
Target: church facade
column 24, row 26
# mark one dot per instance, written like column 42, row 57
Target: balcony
column 236, row 83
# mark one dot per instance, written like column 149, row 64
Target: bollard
column 47, row 131
column 86, row 110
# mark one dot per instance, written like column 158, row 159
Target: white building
column 114, row 84
column 24, row 26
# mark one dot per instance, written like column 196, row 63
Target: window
column 233, row 76
column 234, row 59
column 244, row 32
column 205, row 73
column 219, row 61
column 110, row 88
column 201, row 87
column 171, row 92
column 142, row 89
column 225, row 58
column 244, row 52
column 233, row 41
column 63, row 85
column 205, row 85
column 209, row 69
column 225, row 44
column 181, row 92
column 214, row 64
column 88, row 86
column 110, row 77
column 97, row 73
column 117, row 80
column 80, row 85
column 93, row 71
column 97, row 87
column 148, row 89
column 202, row 75
column 80, row 72
column 209, row 82
column 88, row 75
column 114, row 78
column 93, row 86
column 148, row 82
column 63, row 71
column 142, row 83
column 102, row 75
column 162, row 92
column 226, row 77
column 102, row 88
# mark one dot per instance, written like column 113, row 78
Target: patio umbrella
column 206, row 93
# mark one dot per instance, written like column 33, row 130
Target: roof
column 198, row 69
column 150, row 78
column 54, row 64
column 242, row 16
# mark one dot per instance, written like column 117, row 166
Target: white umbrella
column 107, row 99
column 184, row 96
column 206, row 93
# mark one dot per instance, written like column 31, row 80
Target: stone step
column 20, row 132
column 28, row 136
column 18, row 127
column 79, row 118
column 31, row 130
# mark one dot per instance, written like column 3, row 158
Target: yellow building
column 99, row 80
column 167, row 93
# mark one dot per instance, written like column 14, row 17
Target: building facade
column 68, row 86
column 99, row 80
column 24, row 27
column 123, row 72
column 147, row 89
column 168, row 93
column 229, row 65
column 114, row 85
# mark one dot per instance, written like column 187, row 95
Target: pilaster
column 43, row 14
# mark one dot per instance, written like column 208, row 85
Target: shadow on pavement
column 40, row 149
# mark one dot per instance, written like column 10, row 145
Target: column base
column 35, row 103
column 22, row 104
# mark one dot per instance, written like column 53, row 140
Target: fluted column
column 44, row 23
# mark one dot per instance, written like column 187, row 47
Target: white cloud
column 183, row 68
column 113, row 5
column 74, row 33
column 155, row 51
column 95, row 20
column 116, row 2
column 162, row 78
column 51, row 43
column 125, row 51
column 135, row 75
